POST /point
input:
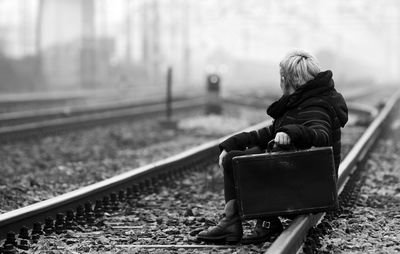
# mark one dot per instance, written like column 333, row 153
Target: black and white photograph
column 199, row 126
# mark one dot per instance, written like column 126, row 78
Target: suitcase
column 285, row 183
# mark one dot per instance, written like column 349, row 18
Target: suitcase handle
column 272, row 143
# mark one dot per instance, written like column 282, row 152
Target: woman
column 310, row 113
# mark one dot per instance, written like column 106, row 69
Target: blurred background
column 88, row 46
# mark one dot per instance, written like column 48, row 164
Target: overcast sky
column 365, row 31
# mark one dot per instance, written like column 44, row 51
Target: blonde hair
column 297, row 68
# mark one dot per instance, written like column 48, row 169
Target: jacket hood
column 322, row 87
column 338, row 103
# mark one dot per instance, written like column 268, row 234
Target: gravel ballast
column 38, row 169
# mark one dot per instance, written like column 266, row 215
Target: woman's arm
column 243, row 140
column 316, row 130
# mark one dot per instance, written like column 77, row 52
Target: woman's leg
column 229, row 229
column 265, row 228
column 229, row 180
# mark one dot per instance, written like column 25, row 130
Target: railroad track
column 108, row 193
column 39, row 115
column 17, row 125
column 20, row 102
column 25, row 124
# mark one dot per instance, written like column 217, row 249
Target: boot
column 263, row 231
column 229, row 229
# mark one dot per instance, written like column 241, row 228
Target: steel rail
column 175, row 246
column 26, row 129
column 359, row 108
column 357, row 93
column 65, row 100
column 291, row 239
column 20, row 117
column 14, row 98
column 13, row 220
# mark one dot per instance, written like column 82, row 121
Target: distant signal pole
column 88, row 62
column 38, row 40
column 186, row 43
column 128, row 30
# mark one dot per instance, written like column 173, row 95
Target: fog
column 70, row 45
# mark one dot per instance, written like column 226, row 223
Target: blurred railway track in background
column 22, row 124
column 18, row 125
column 64, row 100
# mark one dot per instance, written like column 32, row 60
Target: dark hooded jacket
column 311, row 116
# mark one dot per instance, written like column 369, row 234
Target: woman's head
column 297, row 68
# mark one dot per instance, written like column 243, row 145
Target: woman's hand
column 283, row 139
column 221, row 157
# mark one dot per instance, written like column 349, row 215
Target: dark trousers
column 229, row 180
